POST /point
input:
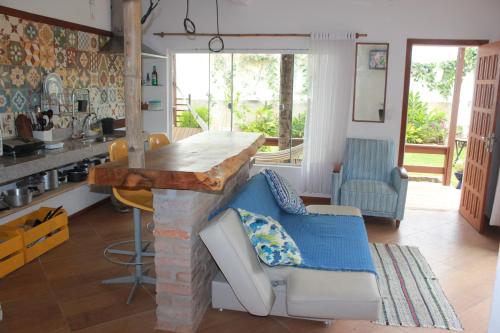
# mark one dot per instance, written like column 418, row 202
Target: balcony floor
column 432, row 196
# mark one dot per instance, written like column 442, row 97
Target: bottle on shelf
column 154, row 77
column 148, row 80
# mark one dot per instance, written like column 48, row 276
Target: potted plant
column 459, row 173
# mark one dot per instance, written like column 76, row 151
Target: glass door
column 221, row 92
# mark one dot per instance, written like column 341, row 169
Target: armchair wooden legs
column 397, row 223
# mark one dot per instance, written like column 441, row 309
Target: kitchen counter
column 13, row 168
column 189, row 179
column 202, row 162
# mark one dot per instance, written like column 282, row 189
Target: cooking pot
column 50, row 179
column 76, row 174
column 18, row 197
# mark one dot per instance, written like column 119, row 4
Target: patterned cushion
column 284, row 193
column 270, row 240
column 369, row 196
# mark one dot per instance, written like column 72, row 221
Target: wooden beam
column 132, row 36
column 286, row 101
column 424, row 169
column 454, row 116
column 426, row 149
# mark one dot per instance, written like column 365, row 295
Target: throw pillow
column 273, row 244
column 284, row 193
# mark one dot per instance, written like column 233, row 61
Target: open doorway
column 439, row 86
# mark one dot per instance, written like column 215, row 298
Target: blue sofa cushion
column 273, row 244
column 369, row 195
column 284, row 193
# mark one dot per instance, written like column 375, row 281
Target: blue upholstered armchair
column 368, row 179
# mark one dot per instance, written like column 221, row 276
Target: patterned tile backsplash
column 30, row 50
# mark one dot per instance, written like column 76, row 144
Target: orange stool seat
column 158, row 140
column 142, row 199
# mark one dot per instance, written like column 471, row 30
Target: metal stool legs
column 139, row 276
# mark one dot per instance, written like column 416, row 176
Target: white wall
column 495, row 308
column 76, row 11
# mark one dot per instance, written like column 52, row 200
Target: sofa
column 244, row 283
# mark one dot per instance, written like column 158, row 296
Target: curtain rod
column 163, row 34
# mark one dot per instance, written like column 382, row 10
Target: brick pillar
column 184, row 267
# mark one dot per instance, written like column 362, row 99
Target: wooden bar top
column 202, row 162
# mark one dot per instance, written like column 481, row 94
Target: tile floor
column 61, row 291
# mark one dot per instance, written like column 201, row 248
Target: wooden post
column 132, row 39
column 454, row 115
column 286, row 101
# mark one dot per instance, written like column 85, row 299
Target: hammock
column 281, row 156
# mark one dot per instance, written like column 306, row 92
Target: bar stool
column 157, row 140
column 138, row 200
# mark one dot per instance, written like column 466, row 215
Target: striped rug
column 411, row 294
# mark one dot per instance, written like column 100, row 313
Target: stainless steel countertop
column 13, row 168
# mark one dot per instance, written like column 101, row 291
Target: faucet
column 87, row 122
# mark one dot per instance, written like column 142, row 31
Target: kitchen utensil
column 76, row 175
column 86, row 164
column 3, row 206
column 107, row 126
column 62, row 177
column 18, row 197
column 53, row 213
column 34, row 183
column 21, row 146
column 50, row 179
column 23, row 126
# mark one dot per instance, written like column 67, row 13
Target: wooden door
column 481, row 136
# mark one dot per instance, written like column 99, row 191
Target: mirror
column 370, row 78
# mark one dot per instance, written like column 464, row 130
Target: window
column 264, row 93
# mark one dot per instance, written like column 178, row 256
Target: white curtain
column 331, row 65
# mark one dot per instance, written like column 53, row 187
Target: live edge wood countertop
column 202, row 162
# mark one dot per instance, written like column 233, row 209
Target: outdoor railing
column 428, row 149
column 273, row 141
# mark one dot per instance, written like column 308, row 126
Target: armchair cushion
column 369, row 195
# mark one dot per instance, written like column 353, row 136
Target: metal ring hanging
column 189, row 26
column 212, row 43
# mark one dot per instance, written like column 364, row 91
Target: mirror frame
column 382, row 120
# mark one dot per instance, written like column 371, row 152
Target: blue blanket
column 335, row 243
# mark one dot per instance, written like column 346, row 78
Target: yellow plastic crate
column 42, row 238
column 11, row 251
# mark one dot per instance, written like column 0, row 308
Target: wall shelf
column 43, row 197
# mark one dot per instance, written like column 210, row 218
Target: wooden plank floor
column 61, row 292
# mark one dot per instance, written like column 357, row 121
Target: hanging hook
column 152, row 6
column 216, row 43
column 189, row 26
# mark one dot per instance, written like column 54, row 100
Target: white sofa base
column 223, row 298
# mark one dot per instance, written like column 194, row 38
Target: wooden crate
column 11, row 251
column 42, row 238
